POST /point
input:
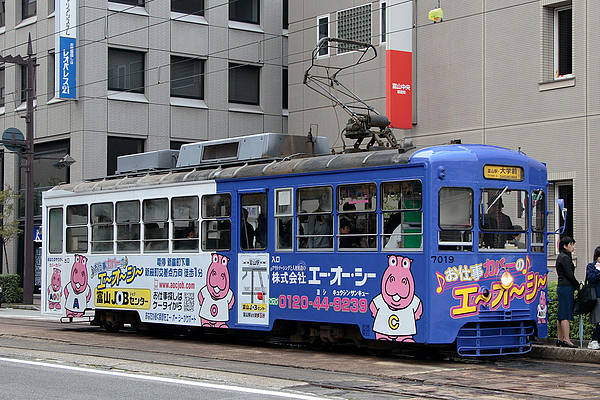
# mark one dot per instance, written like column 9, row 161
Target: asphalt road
column 130, row 364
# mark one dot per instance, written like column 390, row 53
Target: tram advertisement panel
column 376, row 292
column 500, row 282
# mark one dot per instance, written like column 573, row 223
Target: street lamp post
column 26, row 147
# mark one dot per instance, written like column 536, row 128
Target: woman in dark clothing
column 567, row 283
column 592, row 276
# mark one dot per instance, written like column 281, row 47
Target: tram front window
column 455, row 219
column 504, row 218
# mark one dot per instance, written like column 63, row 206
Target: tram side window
column 284, row 214
column 55, row 230
column 184, row 214
column 538, row 220
column 503, row 219
column 101, row 219
column 455, row 219
column 314, row 221
column 216, row 224
column 77, row 230
column 402, row 215
column 253, row 221
column 357, row 217
column 156, row 229
column 128, row 226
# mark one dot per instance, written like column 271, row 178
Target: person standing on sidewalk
column 567, row 283
column 592, row 276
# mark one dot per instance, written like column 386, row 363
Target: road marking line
column 169, row 380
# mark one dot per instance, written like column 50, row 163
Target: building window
column 2, row 12
column 28, row 8
column 245, row 11
column 244, row 84
column 192, row 7
column 284, row 12
column 187, row 77
column 2, row 87
column 284, row 89
column 323, row 32
column 126, row 70
column 383, row 21
column 51, row 89
column 118, row 146
column 563, row 34
column 130, row 2
column 51, row 6
column 354, row 24
column 23, row 72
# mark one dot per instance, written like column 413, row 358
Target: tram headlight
column 506, row 280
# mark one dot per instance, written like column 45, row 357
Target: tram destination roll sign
column 503, row 172
column 65, row 61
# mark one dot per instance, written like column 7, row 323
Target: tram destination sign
column 503, row 172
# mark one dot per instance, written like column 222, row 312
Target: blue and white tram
column 442, row 245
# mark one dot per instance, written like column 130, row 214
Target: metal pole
column 28, row 267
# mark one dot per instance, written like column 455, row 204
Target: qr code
column 188, row 302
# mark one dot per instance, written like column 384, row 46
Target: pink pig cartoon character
column 55, row 290
column 542, row 309
column 397, row 307
column 216, row 298
column 77, row 291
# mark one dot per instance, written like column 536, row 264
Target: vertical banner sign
column 65, row 61
column 253, row 288
column 398, row 63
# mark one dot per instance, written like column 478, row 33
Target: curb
column 549, row 352
column 21, row 306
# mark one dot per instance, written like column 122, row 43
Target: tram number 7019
column 442, row 259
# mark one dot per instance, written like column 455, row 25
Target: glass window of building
column 51, row 90
column 191, row 7
column 284, row 15
column 187, row 77
column 2, row 86
column 2, row 12
column 119, row 146
column 126, row 70
column 284, row 88
column 244, row 84
column 323, row 32
column 354, row 24
column 130, row 2
column 245, row 11
column 563, row 45
column 383, row 21
column 28, row 8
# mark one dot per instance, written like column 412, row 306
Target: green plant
column 9, row 226
column 588, row 327
column 12, row 292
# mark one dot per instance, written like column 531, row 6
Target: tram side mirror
column 563, row 214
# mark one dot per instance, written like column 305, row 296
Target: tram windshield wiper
column 496, row 199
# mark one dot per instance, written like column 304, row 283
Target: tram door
column 253, row 221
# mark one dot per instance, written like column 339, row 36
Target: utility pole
column 27, row 148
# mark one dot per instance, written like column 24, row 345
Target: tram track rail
column 334, row 377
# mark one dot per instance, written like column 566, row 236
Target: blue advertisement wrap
column 68, row 68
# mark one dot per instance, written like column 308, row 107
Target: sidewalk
column 545, row 349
